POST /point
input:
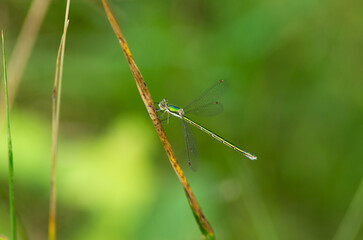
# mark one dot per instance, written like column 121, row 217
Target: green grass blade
column 353, row 219
column 10, row 150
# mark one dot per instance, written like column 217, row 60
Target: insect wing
column 210, row 109
column 206, row 104
column 192, row 146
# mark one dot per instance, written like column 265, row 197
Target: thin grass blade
column 10, row 149
column 352, row 222
column 24, row 46
column 56, row 100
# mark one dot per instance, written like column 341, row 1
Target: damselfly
column 206, row 105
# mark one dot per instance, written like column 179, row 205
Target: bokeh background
column 295, row 100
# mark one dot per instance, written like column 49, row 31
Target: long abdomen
column 219, row 138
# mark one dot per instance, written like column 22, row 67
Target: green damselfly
column 205, row 105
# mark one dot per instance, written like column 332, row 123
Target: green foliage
column 294, row 69
column 10, row 147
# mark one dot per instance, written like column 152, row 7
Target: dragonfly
column 206, row 105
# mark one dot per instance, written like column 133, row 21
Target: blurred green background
column 295, row 100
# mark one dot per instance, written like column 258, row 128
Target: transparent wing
column 210, row 109
column 207, row 104
column 192, row 146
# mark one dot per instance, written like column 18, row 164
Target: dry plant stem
column 149, row 103
column 24, row 45
column 56, row 99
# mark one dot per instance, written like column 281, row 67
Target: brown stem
column 203, row 223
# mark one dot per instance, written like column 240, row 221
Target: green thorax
column 174, row 109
